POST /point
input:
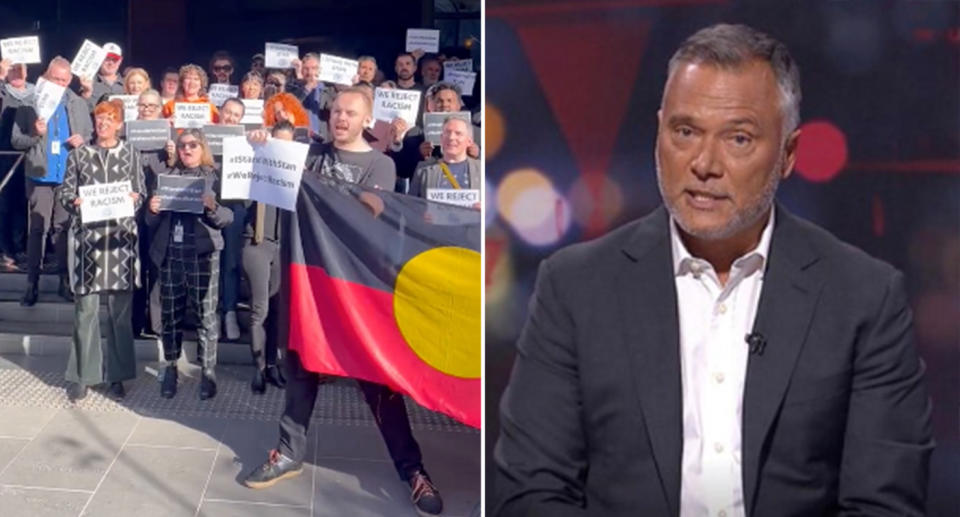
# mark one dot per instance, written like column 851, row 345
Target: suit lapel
column 787, row 302
column 648, row 309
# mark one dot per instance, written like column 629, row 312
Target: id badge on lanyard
column 178, row 232
column 55, row 144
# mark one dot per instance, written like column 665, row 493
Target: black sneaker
column 425, row 497
column 208, row 384
column 277, row 467
column 116, row 391
column 29, row 296
column 168, row 385
column 275, row 376
column 258, row 385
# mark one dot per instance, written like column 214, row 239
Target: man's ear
column 790, row 149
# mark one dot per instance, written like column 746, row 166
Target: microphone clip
column 756, row 343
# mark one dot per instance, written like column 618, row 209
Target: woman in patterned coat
column 103, row 259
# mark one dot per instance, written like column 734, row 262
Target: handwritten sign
column 24, row 50
column 464, row 80
column 433, row 124
column 147, row 135
column 216, row 133
column 88, row 60
column 457, row 65
column 129, row 105
column 180, row 193
column 190, row 114
column 252, row 112
column 427, row 40
column 105, row 201
column 47, row 98
column 278, row 55
column 389, row 104
column 337, row 70
column 453, row 196
column 269, row 173
column 219, row 93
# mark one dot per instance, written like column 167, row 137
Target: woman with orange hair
column 105, row 261
column 284, row 106
column 193, row 90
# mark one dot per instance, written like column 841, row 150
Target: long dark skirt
column 94, row 360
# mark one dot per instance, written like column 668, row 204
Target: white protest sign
column 252, row 111
column 46, row 98
column 454, row 196
column 390, row 103
column 219, row 93
column 190, row 114
column 129, row 105
column 24, row 50
column 337, row 70
column 88, row 60
column 278, row 55
column 105, row 201
column 457, row 65
column 269, row 173
column 427, row 40
column 464, row 80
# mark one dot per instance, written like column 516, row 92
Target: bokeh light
column 529, row 203
column 607, row 201
column 822, row 151
column 494, row 130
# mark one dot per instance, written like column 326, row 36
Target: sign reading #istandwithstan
column 46, row 98
column 464, row 80
column 219, row 93
column 454, row 196
column 457, row 65
column 190, row 114
column 105, row 201
column 269, row 173
column 88, row 60
column 24, row 50
column 147, row 135
column 433, row 124
column 337, row 70
column 252, row 111
column 389, row 104
column 427, row 40
column 180, row 193
column 279, row 55
column 129, row 105
column 216, row 133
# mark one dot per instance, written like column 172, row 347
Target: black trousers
column 386, row 404
column 147, row 310
column 46, row 216
column 261, row 265
column 13, row 208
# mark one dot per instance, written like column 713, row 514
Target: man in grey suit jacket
column 719, row 356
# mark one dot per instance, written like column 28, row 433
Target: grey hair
column 59, row 61
column 732, row 46
column 310, row 55
column 149, row 91
column 367, row 58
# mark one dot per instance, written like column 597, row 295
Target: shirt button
column 722, row 308
column 718, row 447
column 719, row 377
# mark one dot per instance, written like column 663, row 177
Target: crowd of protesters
column 150, row 269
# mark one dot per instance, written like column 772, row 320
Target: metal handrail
column 6, row 178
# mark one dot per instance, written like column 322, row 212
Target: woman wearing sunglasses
column 186, row 246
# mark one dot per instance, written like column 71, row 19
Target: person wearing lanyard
column 455, row 170
column 46, row 143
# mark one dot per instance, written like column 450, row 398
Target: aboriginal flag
column 386, row 287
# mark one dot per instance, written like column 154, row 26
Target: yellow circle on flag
column 436, row 303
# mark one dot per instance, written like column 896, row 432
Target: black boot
column 116, row 391
column 30, row 295
column 64, row 291
column 208, row 384
column 258, row 385
column 168, row 386
column 275, row 376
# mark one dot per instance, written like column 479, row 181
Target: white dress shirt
column 714, row 320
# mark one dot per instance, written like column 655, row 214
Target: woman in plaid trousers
column 186, row 246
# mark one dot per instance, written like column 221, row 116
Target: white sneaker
column 232, row 328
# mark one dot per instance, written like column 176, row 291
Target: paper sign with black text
column 216, row 133
column 88, row 60
column 219, row 93
column 129, row 105
column 433, row 124
column 464, row 80
column 105, row 201
column 180, row 193
column 427, row 40
column 269, row 173
column 46, row 98
column 279, row 55
column 391, row 103
column 457, row 65
column 252, row 112
column 453, row 196
column 190, row 114
column 147, row 135
column 24, row 50
column 337, row 70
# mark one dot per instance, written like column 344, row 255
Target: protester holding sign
column 193, row 90
column 315, row 95
column 367, row 69
column 221, row 67
column 251, row 87
column 284, row 106
column 46, row 145
column 186, row 247
column 107, row 82
column 405, row 67
column 455, row 171
column 136, row 81
column 105, row 256
column 350, row 159
column 15, row 92
column 430, row 69
column 231, row 113
column 169, row 85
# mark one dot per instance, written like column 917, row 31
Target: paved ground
column 148, row 456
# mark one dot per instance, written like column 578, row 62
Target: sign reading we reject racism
column 390, row 103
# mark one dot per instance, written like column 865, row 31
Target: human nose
column 706, row 163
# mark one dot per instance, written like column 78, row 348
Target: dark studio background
column 571, row 104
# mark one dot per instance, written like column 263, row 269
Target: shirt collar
column 684, row 262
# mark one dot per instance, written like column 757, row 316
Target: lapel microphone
column 755, row 342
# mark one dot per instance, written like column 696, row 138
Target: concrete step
column 13, row 343
column 18, row 282
column 41, row 315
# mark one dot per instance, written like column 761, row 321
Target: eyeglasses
column 146, row 106
column 188, row 145
column 222, row 68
